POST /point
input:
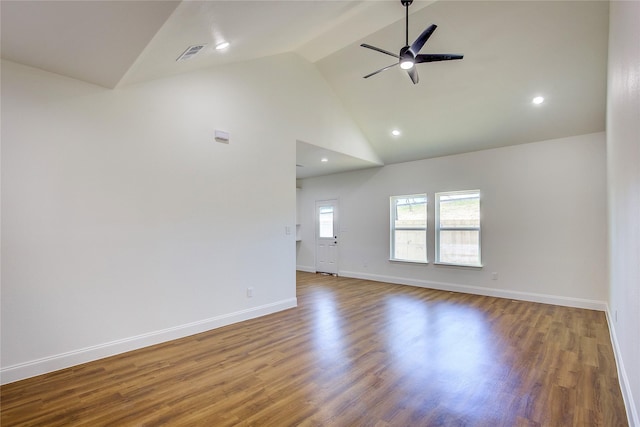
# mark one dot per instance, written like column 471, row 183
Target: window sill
column 403, row 261
column 448, row 264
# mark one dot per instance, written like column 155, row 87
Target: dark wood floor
column 354, row 353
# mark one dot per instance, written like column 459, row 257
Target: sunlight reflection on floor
column 445, row 345
column 328, row 334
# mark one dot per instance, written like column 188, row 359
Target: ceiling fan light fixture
column 406, row 64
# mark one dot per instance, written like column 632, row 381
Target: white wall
column 543, row 212
column 125, row 224
column 623, row 167
column 325, row 122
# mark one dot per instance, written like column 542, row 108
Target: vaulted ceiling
column 513, row 51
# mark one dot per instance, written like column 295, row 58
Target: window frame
column 392, row 227
column 438, row 229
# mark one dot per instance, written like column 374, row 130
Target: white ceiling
column 94, row 41
column 513, row 51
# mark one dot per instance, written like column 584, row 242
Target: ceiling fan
column 409, row 55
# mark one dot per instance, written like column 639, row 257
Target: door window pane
column 325, row 218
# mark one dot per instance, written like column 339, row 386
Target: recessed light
column 395, row 132
column 538, row 100
column 222, row 46
column 324, row 160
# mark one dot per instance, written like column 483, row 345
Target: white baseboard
column 477, row 290
column 306, row 268
column 625, row 386
column 44, row 365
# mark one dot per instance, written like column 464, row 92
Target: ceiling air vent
column 190, row 52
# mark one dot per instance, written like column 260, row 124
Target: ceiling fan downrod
column 406, row 4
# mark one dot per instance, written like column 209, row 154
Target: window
column 409, row 228
column 325, row 219
column 458, row 228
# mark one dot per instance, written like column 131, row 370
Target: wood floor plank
column 353, row 353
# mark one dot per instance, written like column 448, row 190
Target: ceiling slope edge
column 363, row 20
column 126, row 77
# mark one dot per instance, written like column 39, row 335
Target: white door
column 327, row 236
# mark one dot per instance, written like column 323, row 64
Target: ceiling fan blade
column 413, row 73
column 380, row 70
column 368, row 46
column 422, row 39
column 434, row 57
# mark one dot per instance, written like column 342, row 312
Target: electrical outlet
column 494, row 276
column 249, row 292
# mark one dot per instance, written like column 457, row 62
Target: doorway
column 327, row 236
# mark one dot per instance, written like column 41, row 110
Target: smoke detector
column 190, row 52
